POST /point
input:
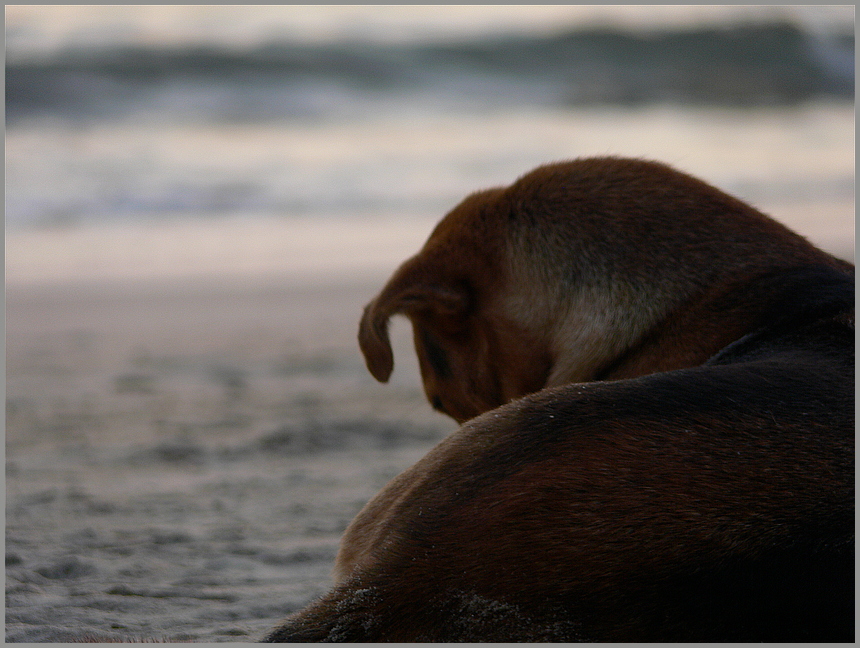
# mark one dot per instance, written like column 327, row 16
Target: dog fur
column 663, row 451
column 595, row 269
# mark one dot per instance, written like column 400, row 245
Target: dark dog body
column 711, row 502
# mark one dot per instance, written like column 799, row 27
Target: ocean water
column 118, row 116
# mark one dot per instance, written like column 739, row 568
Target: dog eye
column 435, row 356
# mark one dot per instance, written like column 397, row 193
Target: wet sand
column 183, row 453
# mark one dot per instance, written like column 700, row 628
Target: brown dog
column 694, row 483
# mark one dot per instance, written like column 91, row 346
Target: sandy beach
column 184, row 453
column 200, row 201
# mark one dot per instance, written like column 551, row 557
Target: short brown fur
column 694, row 483
column 597, row 268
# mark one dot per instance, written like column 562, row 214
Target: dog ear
column 444, row 303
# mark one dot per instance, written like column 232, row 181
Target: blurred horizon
column 149, row 114
column 32, row 30
column 199, row 63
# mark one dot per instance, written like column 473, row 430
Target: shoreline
column 294, row 251
column 301, row 251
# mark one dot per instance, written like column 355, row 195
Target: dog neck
column 685, row 336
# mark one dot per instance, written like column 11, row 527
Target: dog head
column 450, row 292
column 598, row 268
